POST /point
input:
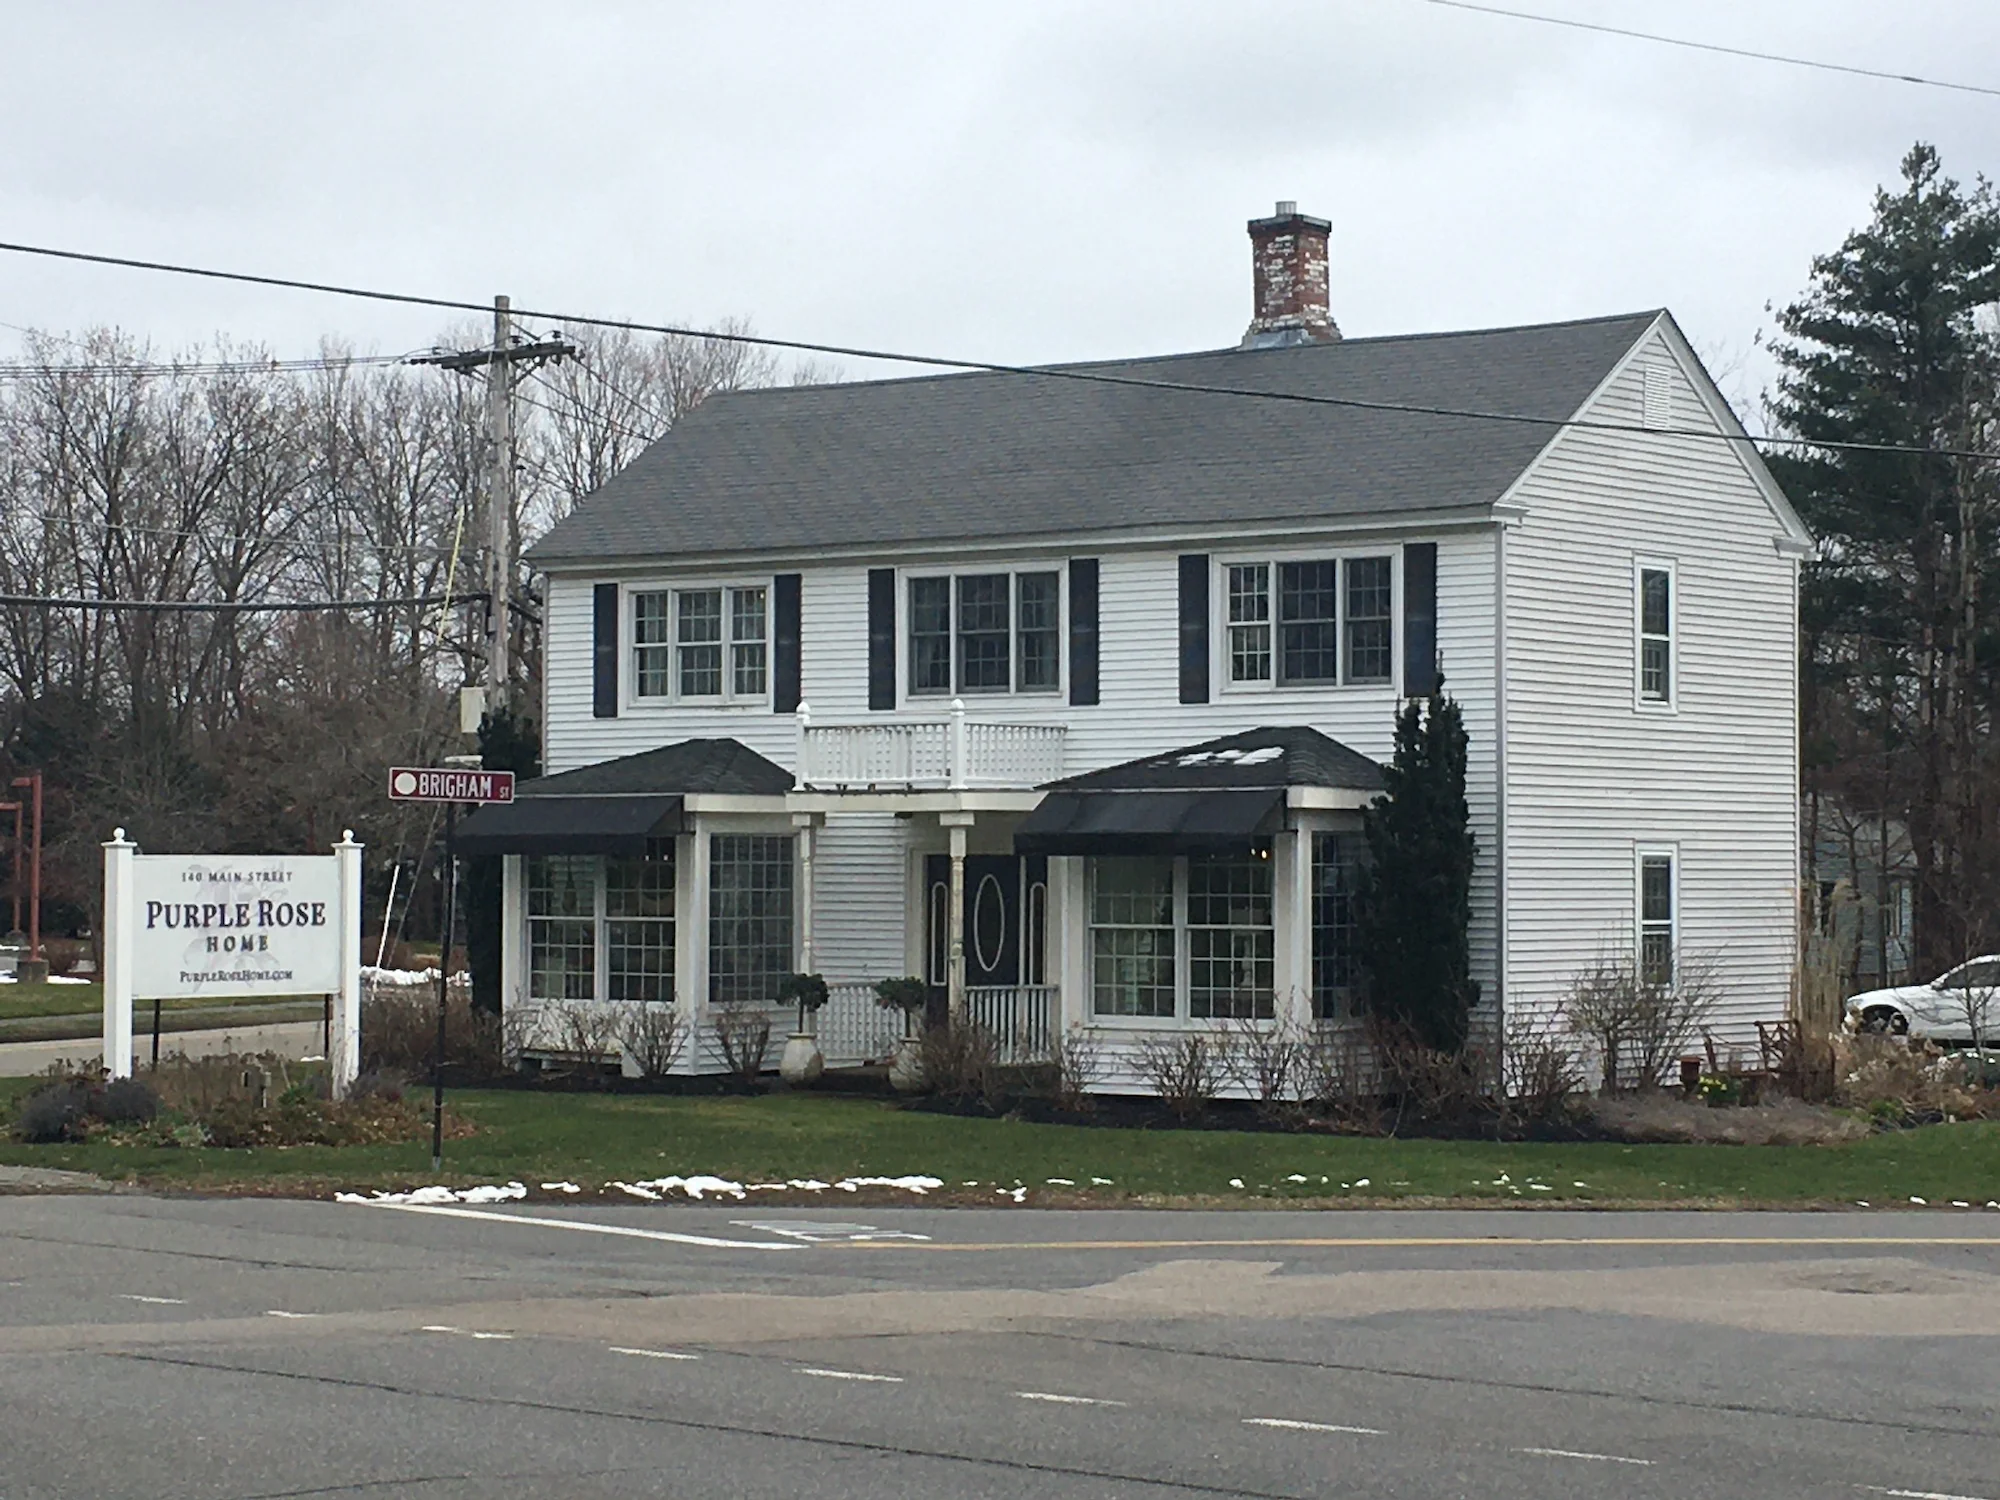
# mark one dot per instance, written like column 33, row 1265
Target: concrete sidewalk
column 287, row 1038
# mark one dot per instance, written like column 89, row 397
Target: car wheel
column 1885, row 1020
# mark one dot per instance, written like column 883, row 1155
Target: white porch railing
column 952, row 753
column 1021, row 1018
column 853, row 1029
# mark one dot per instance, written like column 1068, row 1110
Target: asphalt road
column 167, row 1348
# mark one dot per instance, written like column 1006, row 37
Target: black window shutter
column 604, row 651
column 1194, row 627
column 1420, row 605
column 785, row 627
column 1083, row 630
column 881, row 638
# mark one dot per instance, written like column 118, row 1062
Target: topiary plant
column 908, row 993
column 807, row 991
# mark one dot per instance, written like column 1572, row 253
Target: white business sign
column 235, row 924
column 232, row 925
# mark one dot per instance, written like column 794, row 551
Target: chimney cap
column 1287, row 207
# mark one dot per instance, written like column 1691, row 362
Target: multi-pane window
column 1656, row 918
column 1250, row 622
column 1325, row 620
column 1132, row 938
column 1366, row 621
column 700, row 643
column 1336, row 966
column 639, row 924
column 562, row 927
column 612, row 917
column 1190, row 936
column 1656, row 635
column 985, row 633
column 749, row 916
column 1230, row 942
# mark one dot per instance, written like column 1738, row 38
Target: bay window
column 1188, row 936
column 601, row 928
column 749, row 917
column 1336, row 960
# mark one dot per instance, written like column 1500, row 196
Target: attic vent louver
column 1658, row 411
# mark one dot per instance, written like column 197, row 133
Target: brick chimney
column 1288, row 261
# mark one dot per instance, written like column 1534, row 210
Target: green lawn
column 50, row 1012
column 20, row 1000
column 595, row 1139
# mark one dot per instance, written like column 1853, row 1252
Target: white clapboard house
column 1065, row 694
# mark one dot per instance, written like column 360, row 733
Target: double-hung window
column 706, row 643
column 1317, row 622
column 1656, row 634
column 1182, row 937
column 602, row 928
column 1658, row 902
column 985, row 633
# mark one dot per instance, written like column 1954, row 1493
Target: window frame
column 713, row 917
column 728, row 644
column 1265, row 1007
column 1333, row 1001
column 1642, row 926
column 1222, row 626
column 1641, row 637
column 599, row 920
column 907, row 694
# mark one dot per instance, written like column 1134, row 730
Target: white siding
column 859, row 922
column 1592, row 777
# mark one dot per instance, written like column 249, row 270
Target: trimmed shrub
column 127, row 1101
column 55, row 1112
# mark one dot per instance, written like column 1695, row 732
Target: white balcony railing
column 954, row 753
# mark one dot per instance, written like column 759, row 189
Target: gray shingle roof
column 1274, row 756
column 689, row 766
column 990, row 456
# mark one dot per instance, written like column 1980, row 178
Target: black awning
column 570, row 825
column 1150, row 822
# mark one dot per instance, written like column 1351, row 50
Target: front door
column 1006, row 914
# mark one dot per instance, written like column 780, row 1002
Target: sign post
column 231, row 924
column 450, row 785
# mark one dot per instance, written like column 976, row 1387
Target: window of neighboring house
column 562, row 927
column 639, row 924
column 602, row 929
column 749, row 916
column 1896, row 910
column 1657, row 901
column 985, row 633
column 1327, row 620
column 1336, row 964
column 1829, row 891
column 1656, row 635
column 700, row 643
column 1187, row 937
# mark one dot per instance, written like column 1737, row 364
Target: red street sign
column 444, row 784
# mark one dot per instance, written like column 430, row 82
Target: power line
column 197, row 368
column 1694, row 46
column 1096, row 376
column 234, row 606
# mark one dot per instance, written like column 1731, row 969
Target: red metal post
column 33, row 781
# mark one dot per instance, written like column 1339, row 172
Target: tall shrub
column 1414, row 903
column 507, row 742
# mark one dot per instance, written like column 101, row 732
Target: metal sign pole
column 450, row 874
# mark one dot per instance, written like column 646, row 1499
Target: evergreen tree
column 1414, row 903
column 507, row 742
column 1899, row 610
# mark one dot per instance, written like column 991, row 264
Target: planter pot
column 801, row 1062
column 906, row 1068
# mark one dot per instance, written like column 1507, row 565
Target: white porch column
column 513, row 934
column 344, row 1057
column 956, row 823
column 118, row 976
column 808, row 963
column 1291, row 916
column 691, row 937
column 1069, row 918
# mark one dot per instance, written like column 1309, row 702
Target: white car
column 1945, row 1010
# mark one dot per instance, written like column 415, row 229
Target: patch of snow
column 1960, row 1203
column 917, row 1185
column 1236, row 1182
column 1920, row 1201
column 808, row 1184
column 1019, row 1194
column 1106, row 1182
column 636, row 1191
column 1296, row 1177
column 1065, row 1182
column 1361, row 1182
column 560, row 1187
column 439, row 1194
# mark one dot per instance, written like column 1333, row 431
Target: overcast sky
column 1012, row 181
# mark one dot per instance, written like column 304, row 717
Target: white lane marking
column 814, row 1233
column 584, row 1226
column 1876, row 1489
column 1066, row 1400
column 850, row 1375
column 1596, row 1458
column 652, row 1353
column 1290, row 1425
column 464, row 1333
column 155, row 1301
column 276, row 1312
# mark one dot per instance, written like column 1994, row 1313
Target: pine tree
column 1415, row 897
column 1899, row 610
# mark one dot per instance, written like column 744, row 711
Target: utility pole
column 504, row 362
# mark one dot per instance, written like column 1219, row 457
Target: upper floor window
column 1317, row 622
column 1656, row 635
column 700, row 643
column 986, row 633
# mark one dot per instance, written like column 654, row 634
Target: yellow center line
column 1436, row 1242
